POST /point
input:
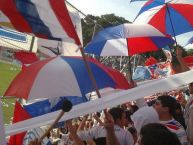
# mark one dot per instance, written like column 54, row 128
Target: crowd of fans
column 161, row 119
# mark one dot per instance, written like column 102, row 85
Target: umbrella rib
column 171, row 22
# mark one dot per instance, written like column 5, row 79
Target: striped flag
column 46, row 18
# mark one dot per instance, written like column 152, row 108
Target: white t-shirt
column 65, row 140
column 124, row 137
column 143, row 116
column 175, row 127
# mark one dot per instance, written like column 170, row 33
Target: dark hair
column 157, row 134
column 168, row 101
column 132, row 130
column 128, row 115
column 98, row 114
column 134, row 108
column 151, row 103
column 116, row 113
column 179, row 115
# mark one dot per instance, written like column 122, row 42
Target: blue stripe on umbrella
column 115, row 32
column 110, row 33
column 83, row 79
column 97, row 46
column 178, row 22
column 29, row 11
column 152, row 4
column 161, row 41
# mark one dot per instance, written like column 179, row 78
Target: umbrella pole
column 32, row 43
column 130, row 71
column 2, row 129
column 90, row 73
column 171, row 23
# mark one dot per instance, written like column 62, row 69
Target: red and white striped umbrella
column 63, row 76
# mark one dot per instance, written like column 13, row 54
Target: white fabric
column 76, row 20
column 183, row 39
column 188, row 114
column 118, row 48
column 65, row 48
column 109, row 100
column 143, row 116
column 135, row 30
column 182, row 1
column 43, row 88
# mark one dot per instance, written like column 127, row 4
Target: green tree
column 190, row 52
column 93, row 24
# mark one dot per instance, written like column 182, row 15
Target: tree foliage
column 93, row 24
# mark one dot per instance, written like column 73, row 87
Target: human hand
column 70, row 126
column 179, row 52
column 108, row 121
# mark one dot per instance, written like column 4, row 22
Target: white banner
column 108, row 100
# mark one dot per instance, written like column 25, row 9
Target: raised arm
column 111, row 138
column 183, row 65
column 75, row 137
column 82, row 123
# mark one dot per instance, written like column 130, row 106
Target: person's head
column 165, row 105
column 157, row 134
column 129, row 122
column 179, row 115
column 118, row 115
column 190, row 86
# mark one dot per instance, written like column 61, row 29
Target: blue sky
column 99, row 7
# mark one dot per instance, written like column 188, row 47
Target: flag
column 30, row 110
column 50, row 105
column 46, row 18
column 161, row 70
column 32, row 134
column 26, row 57
column 154, row 71
column 19, row 115
column 51, row 48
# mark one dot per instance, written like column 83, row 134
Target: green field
column 7, row 73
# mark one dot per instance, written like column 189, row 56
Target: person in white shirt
column 188, row 115
column 165, row 105
column 98, row 133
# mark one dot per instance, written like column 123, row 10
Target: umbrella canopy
column 127, row 39
column 189, row 60
column 174, row 17
column 63, row 76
